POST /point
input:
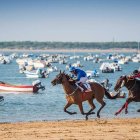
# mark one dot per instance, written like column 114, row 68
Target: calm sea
column 48, row 104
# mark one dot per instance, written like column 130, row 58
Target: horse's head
column 58, row 79
column 120, row 83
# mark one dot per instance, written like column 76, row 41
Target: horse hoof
column 138, row 110
column 92, row 112
column 116, row 113
column 73, row 113
column 98, row 116
column 86, row 118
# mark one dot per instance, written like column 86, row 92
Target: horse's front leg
column 118, row 112
column 124, row 106
column 81, row 108
column 92, row 107
column 129, row 100
column 82, row 111
column 65, row 109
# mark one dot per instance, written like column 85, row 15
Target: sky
column 70, row 20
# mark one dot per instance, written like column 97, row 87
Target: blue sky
column 70, row 20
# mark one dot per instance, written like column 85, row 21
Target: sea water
column 48, row 104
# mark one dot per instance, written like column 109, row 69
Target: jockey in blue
column 81, row 78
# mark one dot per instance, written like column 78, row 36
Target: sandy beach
column 103, row 129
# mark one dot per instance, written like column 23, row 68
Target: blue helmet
column 72, row 69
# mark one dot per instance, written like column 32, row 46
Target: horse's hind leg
column 102, row 106
column 65, row 109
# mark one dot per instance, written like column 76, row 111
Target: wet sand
column 103, row 129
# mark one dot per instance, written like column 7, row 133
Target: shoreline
column 117, row 50
column 98, row 129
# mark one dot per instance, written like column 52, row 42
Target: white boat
column 116, row 66
column 36, row 74
column 32, row 75
column 39, row 64
column 6, row 87
column 91, row 74
column 136, row 59
column 52, row 69
column 107, row 68
column 123, row 61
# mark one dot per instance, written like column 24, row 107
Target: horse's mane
column 68, row 78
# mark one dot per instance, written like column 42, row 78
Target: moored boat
column 39, row 73
column 6, row 87
column 93, row 73
column 107, row 68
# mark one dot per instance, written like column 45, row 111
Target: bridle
column 59, row 79
column 128, row 87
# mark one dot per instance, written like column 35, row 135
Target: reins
column 72, row 92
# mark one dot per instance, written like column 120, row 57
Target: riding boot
column 79, row 86
column 85, row 89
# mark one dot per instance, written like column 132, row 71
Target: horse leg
column 118, row 112
column 124, row 106
column 81, row 110
column 102, row 106
column 92, row 108
column 129, row 100
column 65, row 109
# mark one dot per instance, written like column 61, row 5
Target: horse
column 133, row 86
column 75, row 96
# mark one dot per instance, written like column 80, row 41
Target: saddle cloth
column 87, row 85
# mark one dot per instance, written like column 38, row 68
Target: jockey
column 136, row 74
column 81, row 78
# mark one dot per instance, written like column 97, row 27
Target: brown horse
column 133, row 87
column 75, row 96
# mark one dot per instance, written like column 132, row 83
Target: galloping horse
column 75, row 96
column 133, row 86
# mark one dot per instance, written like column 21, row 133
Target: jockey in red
column 136, row 74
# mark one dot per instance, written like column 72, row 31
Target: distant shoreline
column 116, row 50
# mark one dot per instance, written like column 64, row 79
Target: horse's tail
column 109, row 96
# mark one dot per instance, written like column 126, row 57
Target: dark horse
column 133, row 86
column 75, row 96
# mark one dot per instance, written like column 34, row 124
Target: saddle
column 86, row 86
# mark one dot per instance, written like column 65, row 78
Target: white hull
column 16, row 89
column 32, row 76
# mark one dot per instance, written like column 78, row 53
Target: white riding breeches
column 82, row 80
